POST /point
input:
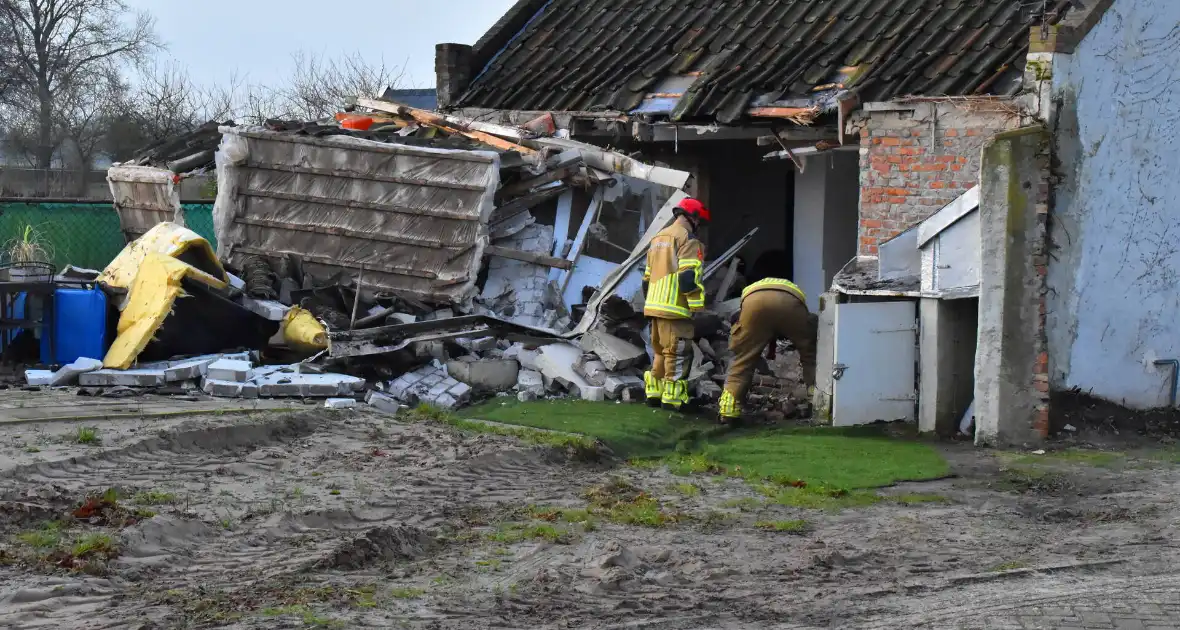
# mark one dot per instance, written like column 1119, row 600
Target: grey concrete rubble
column 284, row 384
column 340, row 403
column 69, row 374
column 591, row 369
column 38, row 378
column 432, row 386
column 229, row 389
column 140, row 377
column 615, row 353
column 485, row 374
column 383, row 402
column 616, row 384
column 229, row 370
column 532, row 382
column 269, row 309
column 556, row 366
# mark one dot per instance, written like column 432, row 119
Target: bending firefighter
column 771, row 309
column 672, row 283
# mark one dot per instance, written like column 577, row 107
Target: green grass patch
column 154, row 497
column 632, row 431
column 819, row 498
column 688, row 489
column 93, row 544
column 407, row 593
column 745, row 504
column 620, row 502
column 1087, row 457
column 850, row 458
column 88, row 436
column 512, row 533
column 583, row 446
column 48, row 536
column 789, row 527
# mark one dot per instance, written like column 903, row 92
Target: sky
column 257, row 38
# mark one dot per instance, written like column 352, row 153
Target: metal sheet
column 956, row 255
column 414, row 218
column 876, row 351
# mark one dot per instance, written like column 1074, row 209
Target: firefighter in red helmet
column 674, row 290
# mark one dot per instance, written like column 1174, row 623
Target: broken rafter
column 491, row 135
column 797, row 115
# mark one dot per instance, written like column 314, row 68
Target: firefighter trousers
column 766, row 316
column 671, row 343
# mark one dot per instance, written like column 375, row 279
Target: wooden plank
column 799, row 114
column 558, row 173
column 529, row 257
column 364, row 205
column 469, row 129
column 347, row 174
column 389, row 107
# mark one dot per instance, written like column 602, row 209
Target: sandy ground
column 354, row 520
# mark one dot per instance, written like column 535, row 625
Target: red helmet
column 694, row 208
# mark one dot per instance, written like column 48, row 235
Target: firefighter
column 674, row 290
column 771, row 309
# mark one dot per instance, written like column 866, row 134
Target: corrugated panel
column 144, row 196
column 414, row 218
column 608, row 54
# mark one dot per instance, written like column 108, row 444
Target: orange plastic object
column 359, row 123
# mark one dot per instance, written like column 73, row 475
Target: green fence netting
column 81, row 234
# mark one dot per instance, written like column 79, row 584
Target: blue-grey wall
column 1114, row 277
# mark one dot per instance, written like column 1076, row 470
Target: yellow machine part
column 302, row 331
column 172, row 241
column 154, row 290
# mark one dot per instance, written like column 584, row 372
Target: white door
column 876, row 351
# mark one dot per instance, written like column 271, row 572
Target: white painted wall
column 808, row 248
column 825, row 230
column 1114, row 278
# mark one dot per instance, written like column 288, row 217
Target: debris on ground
column 449, row 262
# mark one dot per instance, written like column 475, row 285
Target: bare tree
column 320, row 87
column 62, row 50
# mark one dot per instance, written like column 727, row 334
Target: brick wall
column 918, row 158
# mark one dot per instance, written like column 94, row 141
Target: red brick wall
column 915, row 161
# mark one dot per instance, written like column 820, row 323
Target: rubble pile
column 393, row 257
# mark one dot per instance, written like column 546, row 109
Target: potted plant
column 28, row 258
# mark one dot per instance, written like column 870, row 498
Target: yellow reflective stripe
column 775, row 282
column 670, row 310
column 689, row 263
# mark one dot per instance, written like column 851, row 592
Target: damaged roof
column 719, row 59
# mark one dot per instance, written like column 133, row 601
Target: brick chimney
column 452, row 71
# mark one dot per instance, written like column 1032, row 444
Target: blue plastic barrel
column 79, row 325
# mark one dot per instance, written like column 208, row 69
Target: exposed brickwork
column 1040, row 254
column 914, row 162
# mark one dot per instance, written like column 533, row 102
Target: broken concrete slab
column 530, row 381
column 39, row 378
column 401, row 318
column 615, row 353
column 493, row 375
column 229, row 389
column 527, row 396
column 340, row 403
column 68, row 374
column 127, row 378
column 229, row 370
column 483, row 344
column 592, row 393
column 290, row 384
column 593, row 370
column 709, row 390
column 556, row 366
column 383, row 402
column 616, row 384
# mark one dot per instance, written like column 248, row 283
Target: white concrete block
column 69, row 374
column 529, row 359
column 188, row 370
column 614, row 352
column 593, row 393
column 616, row 384
column 383, row 402
column 268, row 309
column 461, row 392
column 289, row 384
column 229, row 370
column 229, row 389
column 340, row 403
column 39, row 378
column 401, row 318
column 527, row 396
column 556, row 364
column 127, row 378
column 530, row 381
column 486, row 374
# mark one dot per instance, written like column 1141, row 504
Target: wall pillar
column 1011, row 371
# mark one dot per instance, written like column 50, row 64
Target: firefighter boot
column 653, row 390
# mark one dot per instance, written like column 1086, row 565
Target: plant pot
column 28, row 272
